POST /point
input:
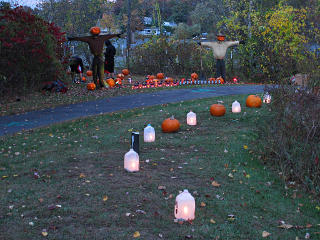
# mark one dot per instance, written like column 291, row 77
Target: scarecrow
column 219, row 52
column 96, row 43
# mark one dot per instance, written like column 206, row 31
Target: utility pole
column 128, row 33
column 249, row 20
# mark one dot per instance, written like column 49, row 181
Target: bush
column 31, row 51
column 176, row 57
column 293, row 135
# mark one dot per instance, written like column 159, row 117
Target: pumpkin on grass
column 95, row 30
column 253, row 101
column 125, row 72
column 170, row 125
column 89, row 73
column 160, row 76
column 91, row 86
column 111, row 82
column 217, row 110
column 194, row 76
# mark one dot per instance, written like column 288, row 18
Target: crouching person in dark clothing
column 76, row 66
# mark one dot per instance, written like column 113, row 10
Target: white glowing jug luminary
column 267, row 98
column 191, row 118
column 131, row 161
column 149, row 134
column 185, row 206
column 236, row 107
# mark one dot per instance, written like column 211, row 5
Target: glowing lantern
column 185, row 206
column 267, row 98
column 131, row 161
column 149, row 134
column 191, row 118
column 236, row 108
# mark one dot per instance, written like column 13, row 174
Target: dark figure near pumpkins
column 96, row 42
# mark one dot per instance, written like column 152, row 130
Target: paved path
column 16, row 123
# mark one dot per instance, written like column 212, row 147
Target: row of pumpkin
column 151, row 80
column 184, row 209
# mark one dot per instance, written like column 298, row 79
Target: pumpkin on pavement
column 253, row 101
column 217, row 110
column 170, row 125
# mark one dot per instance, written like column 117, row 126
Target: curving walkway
column 16, row 123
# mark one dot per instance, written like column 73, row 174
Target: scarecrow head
column 95, row 31
column 221, row 37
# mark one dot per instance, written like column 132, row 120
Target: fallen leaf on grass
column 105, row 198
column 203, row 204
column 285, row 226
column 215, row 184
column 82, row 175
column 230, row 175
column 265, row 234
column 245, row 146
column 44, row 232
column 136, row 234
column 212, row 221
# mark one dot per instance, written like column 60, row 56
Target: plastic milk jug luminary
column 236, row 108
column 185, row 206
column 267, row 98
column 149, row 134
column 191, row 118
column 131, row 161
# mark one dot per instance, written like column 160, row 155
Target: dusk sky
column 30, row 3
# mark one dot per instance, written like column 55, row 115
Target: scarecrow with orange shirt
column 219, row 52
column 96, row 43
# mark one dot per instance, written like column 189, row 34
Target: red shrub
column 31, row 51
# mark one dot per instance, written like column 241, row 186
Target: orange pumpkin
column 151, row 77
column 253, row 101
column 125, row 72
column 95, row 30
column 89, row 73
column 194, row 75
column 91, row 86
column 120, row 75
column 170, row 125
column 160, row 76
column 83, row 79
column 111, row 82
column 212, row 79
column 217, row 110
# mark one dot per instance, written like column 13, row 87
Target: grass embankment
column 67, row 181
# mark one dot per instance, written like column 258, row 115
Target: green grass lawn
column 67, row 181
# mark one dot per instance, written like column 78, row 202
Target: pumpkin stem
column 172, row 117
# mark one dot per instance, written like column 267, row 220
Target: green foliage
column 31, row 51
column 292, row 136
column 277, row 40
